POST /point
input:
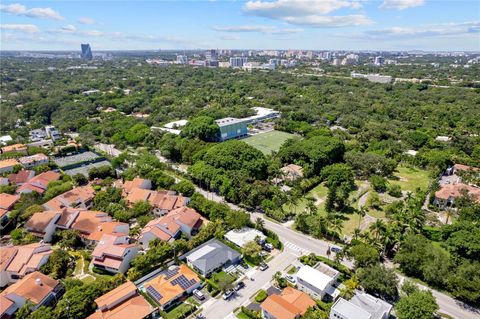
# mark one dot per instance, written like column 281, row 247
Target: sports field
column 268, row 142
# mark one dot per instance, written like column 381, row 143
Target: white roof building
column 361, row 306
column 242, row 236
column 5, row 139
column 317, row 281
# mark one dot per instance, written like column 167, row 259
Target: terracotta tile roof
column 3, row 212
column 73, row 197
column 14, row 148
column 109, row 245
column 163, row 283
column 21, row 177
column 39, row 221
column 67, row 217
column 40, row 182
column 288, row 305
column 34, row 287
column 8, row 163
column 26, row 160
column 5, row 304
column 111, row 298
column 163, row 201
column 137, row 182
column 6, row 256
column 160, row 226
column 106, row 228
column 138, row 194
column 7, row 201
column 455, row 190
column 133, row 308
column 88, row 222
column 185, row 215
column 28, row 257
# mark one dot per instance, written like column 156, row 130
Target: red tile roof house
column 7, row 165
column 79, row 197
column 123, row 302
column 137, row 182
column 34, row 160
column 290, row 304
column 91, row 224
column 113, row 253
column 21, row 177
column 39, row 183
column 445, row 197
column 7, row 202
column 183, row 220
column 162, row 201
column 18, row 261
column 35, row 287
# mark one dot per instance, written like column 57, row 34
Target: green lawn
column 411, row 178
column 268, row 142
column 180, row 311
column 219, row 276
column 242, row 315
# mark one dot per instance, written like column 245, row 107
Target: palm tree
column 337, row 225
column 362, row 212
column 449, row 213
column 356, row 233
column 377, row 228
column 259, row 223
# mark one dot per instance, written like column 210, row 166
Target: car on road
column 227, row 294
column 263, row 254
column 263, row 266
column 336, row 249
column 198, row 294
column 239, row 286
column 290, row 279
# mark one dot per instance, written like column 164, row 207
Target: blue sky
column 257, row 24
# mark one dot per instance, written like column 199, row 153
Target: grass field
column 268, row 142
column 411, row 178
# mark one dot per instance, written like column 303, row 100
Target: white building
column 242, row 236
column 317, row 281
column 238, row 61
column 5, row 139
column 182, row 59
column 361, row 306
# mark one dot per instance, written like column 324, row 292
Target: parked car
column 268, row 246
column 227, row 294
column 263, row 266
column 239, row 286
column 198, row 294
column 263, row 254
column 290, row 279
column 336, row 249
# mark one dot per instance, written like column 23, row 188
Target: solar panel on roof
column 154, row 293
column 183, row 282
column 171, row 272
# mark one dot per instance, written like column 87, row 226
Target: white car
column 227, row 294
column 290, row 279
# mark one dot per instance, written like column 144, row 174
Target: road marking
column 296, row 248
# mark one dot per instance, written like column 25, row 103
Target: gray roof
column 362, row 306
column 211, row 254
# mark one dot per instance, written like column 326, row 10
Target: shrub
column 379, row 183
column 261, row 296
column 395, row 190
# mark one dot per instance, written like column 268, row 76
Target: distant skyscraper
column 182, row 59
column 238, row 61
column 86, row 52
column 212, row 57
column 379, row 60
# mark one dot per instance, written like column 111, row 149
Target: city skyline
column 282, row 24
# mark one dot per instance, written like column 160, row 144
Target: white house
column 242, row 236
column 113, row 253
column 361, row 306
column 317, row 281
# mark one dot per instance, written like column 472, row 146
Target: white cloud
column 426, row 31
column 43, row 13
column 286, row 8
column 230, row 38
column 312, row 13
column 69, row 28
column 26, row 28
column 256, row 28
column 401, row 4
column 86, row 20
column 330, row 21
